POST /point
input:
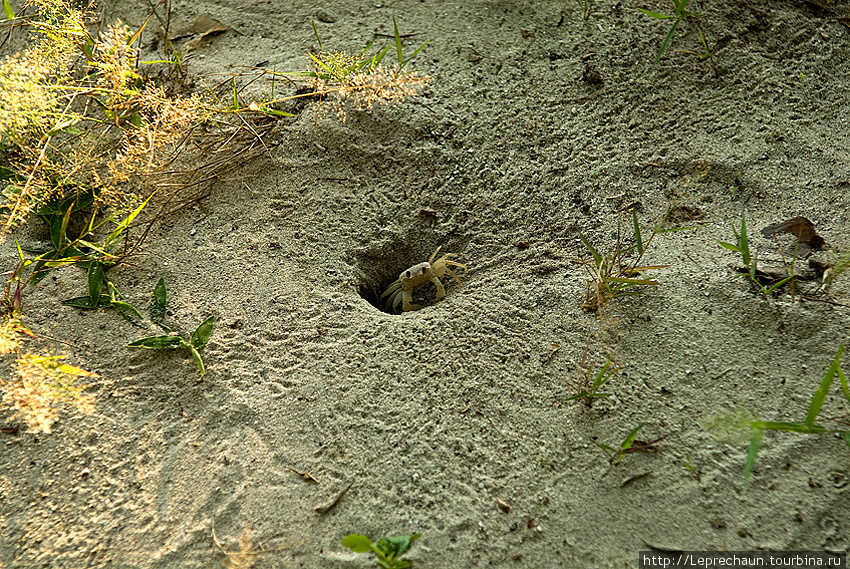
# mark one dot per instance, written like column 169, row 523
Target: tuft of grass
column 81, row 250
column 618, row 453
column 686, row 462
column 750, row 260
column 733, row 426
column 839, row 266
column 171, row 340
column 614, row 275
column 587, row 386
column 388, row 551
column 630, row 445
column 586, row 7
column 362, row 79
column 808, row 426
column 680, row 12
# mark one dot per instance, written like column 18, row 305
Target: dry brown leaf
column 800, row 227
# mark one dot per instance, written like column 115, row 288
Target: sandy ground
column 433, row 415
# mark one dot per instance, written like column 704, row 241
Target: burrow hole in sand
column 379, row 270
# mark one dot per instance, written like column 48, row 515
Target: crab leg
column 391, row 289
column 453, row 274
column 441, row 290
column 407, row 305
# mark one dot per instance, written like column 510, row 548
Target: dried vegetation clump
column 75, row 114
column 362, row 79
column 43, row 384
column 365, row 87
column 76, row 119
column 38, row 386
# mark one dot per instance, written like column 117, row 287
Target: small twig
column 721, row 374
column 305, row 475
column 488, row 418
column 329, row 505
column 23, row 193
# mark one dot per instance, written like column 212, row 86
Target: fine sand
column 536, row 126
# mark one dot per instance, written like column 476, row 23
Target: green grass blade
column 202, row 334
column 820, row 394
column 159, row 301
column 790, row 427
column 97, row 248
column 113, row 292
column 275, row 112
column 645, row 282
column 744, row 242
column 321, row 64
column 127, row 311
column 846, row 438
column 680, row 7
column 316, row 31
column 71, row 256
column 363, row 52
column 158, row 343
column 168, row 330
column 704, row 44
column 629, row 440
column 602, row 377
column 376, row 59
column 58, row 224
column 666, row 43
column 755, row 445
column 730, row 246
column 769, row 291
column 655, row 15
column 596, row 256
column 124, row 224
column 90, row 226
column 132, row 39
column 62, row 125
column 198, row 361
column 844, row 388
column 398, row 44
column 7, row 8
column 63, row 235
column 95, row 281
column 415, row 53
column 39, row 269
column 637, row 233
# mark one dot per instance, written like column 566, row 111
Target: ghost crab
column 401, row 290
